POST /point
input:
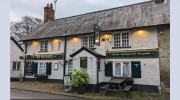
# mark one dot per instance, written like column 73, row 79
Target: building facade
column 16, row 61
column 117, row 42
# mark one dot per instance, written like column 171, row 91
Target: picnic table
column 115, row 85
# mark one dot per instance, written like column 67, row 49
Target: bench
column 105, row 86
column 127, row 88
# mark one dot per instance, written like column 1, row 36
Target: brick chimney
column 48, row 13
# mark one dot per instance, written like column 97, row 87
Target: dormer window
column 44, row 46
column 159, row 1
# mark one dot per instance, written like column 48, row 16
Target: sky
column 64, row 8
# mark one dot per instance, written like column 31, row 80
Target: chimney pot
column 51, row 6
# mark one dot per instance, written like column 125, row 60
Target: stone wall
column 164, row 53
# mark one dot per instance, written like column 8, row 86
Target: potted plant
column 79, row 80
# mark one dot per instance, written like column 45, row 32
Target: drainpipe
column 65, row 40
column 25, row 52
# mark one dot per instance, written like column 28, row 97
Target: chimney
column 48, row 13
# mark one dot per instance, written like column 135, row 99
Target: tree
column 25, row 26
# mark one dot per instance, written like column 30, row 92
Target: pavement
column 23, row 94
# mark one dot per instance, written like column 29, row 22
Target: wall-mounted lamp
column 35, row 43
column 106, row 37
column 75, row 40
column 56, row 41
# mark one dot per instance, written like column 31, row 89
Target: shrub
column 79, row 78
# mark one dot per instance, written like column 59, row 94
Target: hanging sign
column 132, row 54
column 97, row 32
column 45, row 57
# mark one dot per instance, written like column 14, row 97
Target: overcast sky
column 64, row 8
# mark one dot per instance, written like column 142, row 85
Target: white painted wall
column 150, row 72
column 142, row 38
column 91, row 68
column 55, row 74
column 35, row 49
column 15, row 52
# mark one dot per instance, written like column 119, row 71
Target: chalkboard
column 29, row 69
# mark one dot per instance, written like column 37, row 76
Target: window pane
column 18, row 65
column 126, row 69
column 14, row 66
column 85, row 41
column 121, row 39
column 118, row 69
column 83, row 63
column 70, row 66
column 91, row 42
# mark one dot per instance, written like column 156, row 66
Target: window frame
column 121, row 39
column 122, row 68
column 44, row 47
column 70, row 63
column 90, row 41
column 86, row 63
column 16, row 65
column 42, row 70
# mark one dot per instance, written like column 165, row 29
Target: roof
column 96, row 54
column 18, row 45
column 125, row 17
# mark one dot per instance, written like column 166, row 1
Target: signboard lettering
column 133, row 54
column 44, row 57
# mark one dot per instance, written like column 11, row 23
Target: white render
column 140, row 38
column 55, row 74
column 15, row 52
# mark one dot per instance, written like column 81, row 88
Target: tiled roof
column 125, row 17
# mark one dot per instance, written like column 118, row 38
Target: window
column 44, row 46
column 88, row 42
column 83, row 63
column 122, row 69
column 159, row 1
column 121, row 39
column 42, row 68
column 16, row 65
column 70, row 66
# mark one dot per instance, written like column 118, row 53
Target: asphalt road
column 21, row 94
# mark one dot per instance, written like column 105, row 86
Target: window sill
column 121, row 47
column 42, row 51
column 15, row 70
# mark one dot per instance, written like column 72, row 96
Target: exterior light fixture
column 35, row 43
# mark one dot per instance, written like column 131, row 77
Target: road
column 21, row 94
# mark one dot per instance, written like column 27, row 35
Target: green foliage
column 79, row 78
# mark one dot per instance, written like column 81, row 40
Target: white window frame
column 69, row 69
column 90, row 41
column 121, row 43
column 16, row 65
column 44, row 47
column 122, row 68
column 43, row 69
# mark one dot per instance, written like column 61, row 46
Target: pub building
column 117, row 42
